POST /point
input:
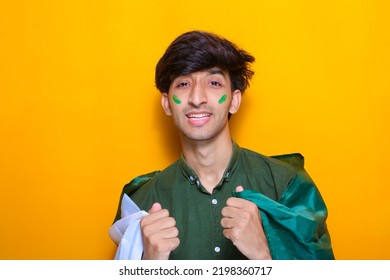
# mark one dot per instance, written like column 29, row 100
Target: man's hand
column 159, row 234
column 242, row 225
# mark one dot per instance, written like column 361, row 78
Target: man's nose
column 198, row 96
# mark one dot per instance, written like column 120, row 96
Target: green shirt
column 198, row 213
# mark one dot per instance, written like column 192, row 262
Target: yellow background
column 80, row 116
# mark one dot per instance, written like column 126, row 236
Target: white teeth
column 198, row 116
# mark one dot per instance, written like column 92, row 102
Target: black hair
column 198, row 50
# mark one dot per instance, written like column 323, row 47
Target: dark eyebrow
column 213, row 71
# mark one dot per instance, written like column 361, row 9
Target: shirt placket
column 217, row 229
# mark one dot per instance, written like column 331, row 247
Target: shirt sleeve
column 132, row 187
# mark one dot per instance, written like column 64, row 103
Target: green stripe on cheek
column 222, row 99
column 176, row 99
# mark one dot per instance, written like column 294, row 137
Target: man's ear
column 165, row 104
column 236, row 101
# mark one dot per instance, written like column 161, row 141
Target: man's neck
column 209, row 159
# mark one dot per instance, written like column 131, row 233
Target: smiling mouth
column 198, row 116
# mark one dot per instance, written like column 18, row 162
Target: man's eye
column 182, row 84
column 215, row 83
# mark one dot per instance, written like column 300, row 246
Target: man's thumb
column 155, row 207
column 239, row 189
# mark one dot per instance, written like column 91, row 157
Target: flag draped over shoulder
column 295, row 225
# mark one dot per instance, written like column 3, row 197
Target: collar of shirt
column 193, row 178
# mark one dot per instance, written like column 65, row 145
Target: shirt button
column 217, row 249
column 214, row 201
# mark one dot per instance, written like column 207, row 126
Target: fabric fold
column 126, row 232
column 293, row 232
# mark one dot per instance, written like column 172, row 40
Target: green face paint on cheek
column 222, row 99
column 176, row 99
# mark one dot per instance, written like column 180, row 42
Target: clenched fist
column 159, row 234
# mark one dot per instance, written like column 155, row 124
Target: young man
column 220, row 201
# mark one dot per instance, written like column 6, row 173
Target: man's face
column 200, row 103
